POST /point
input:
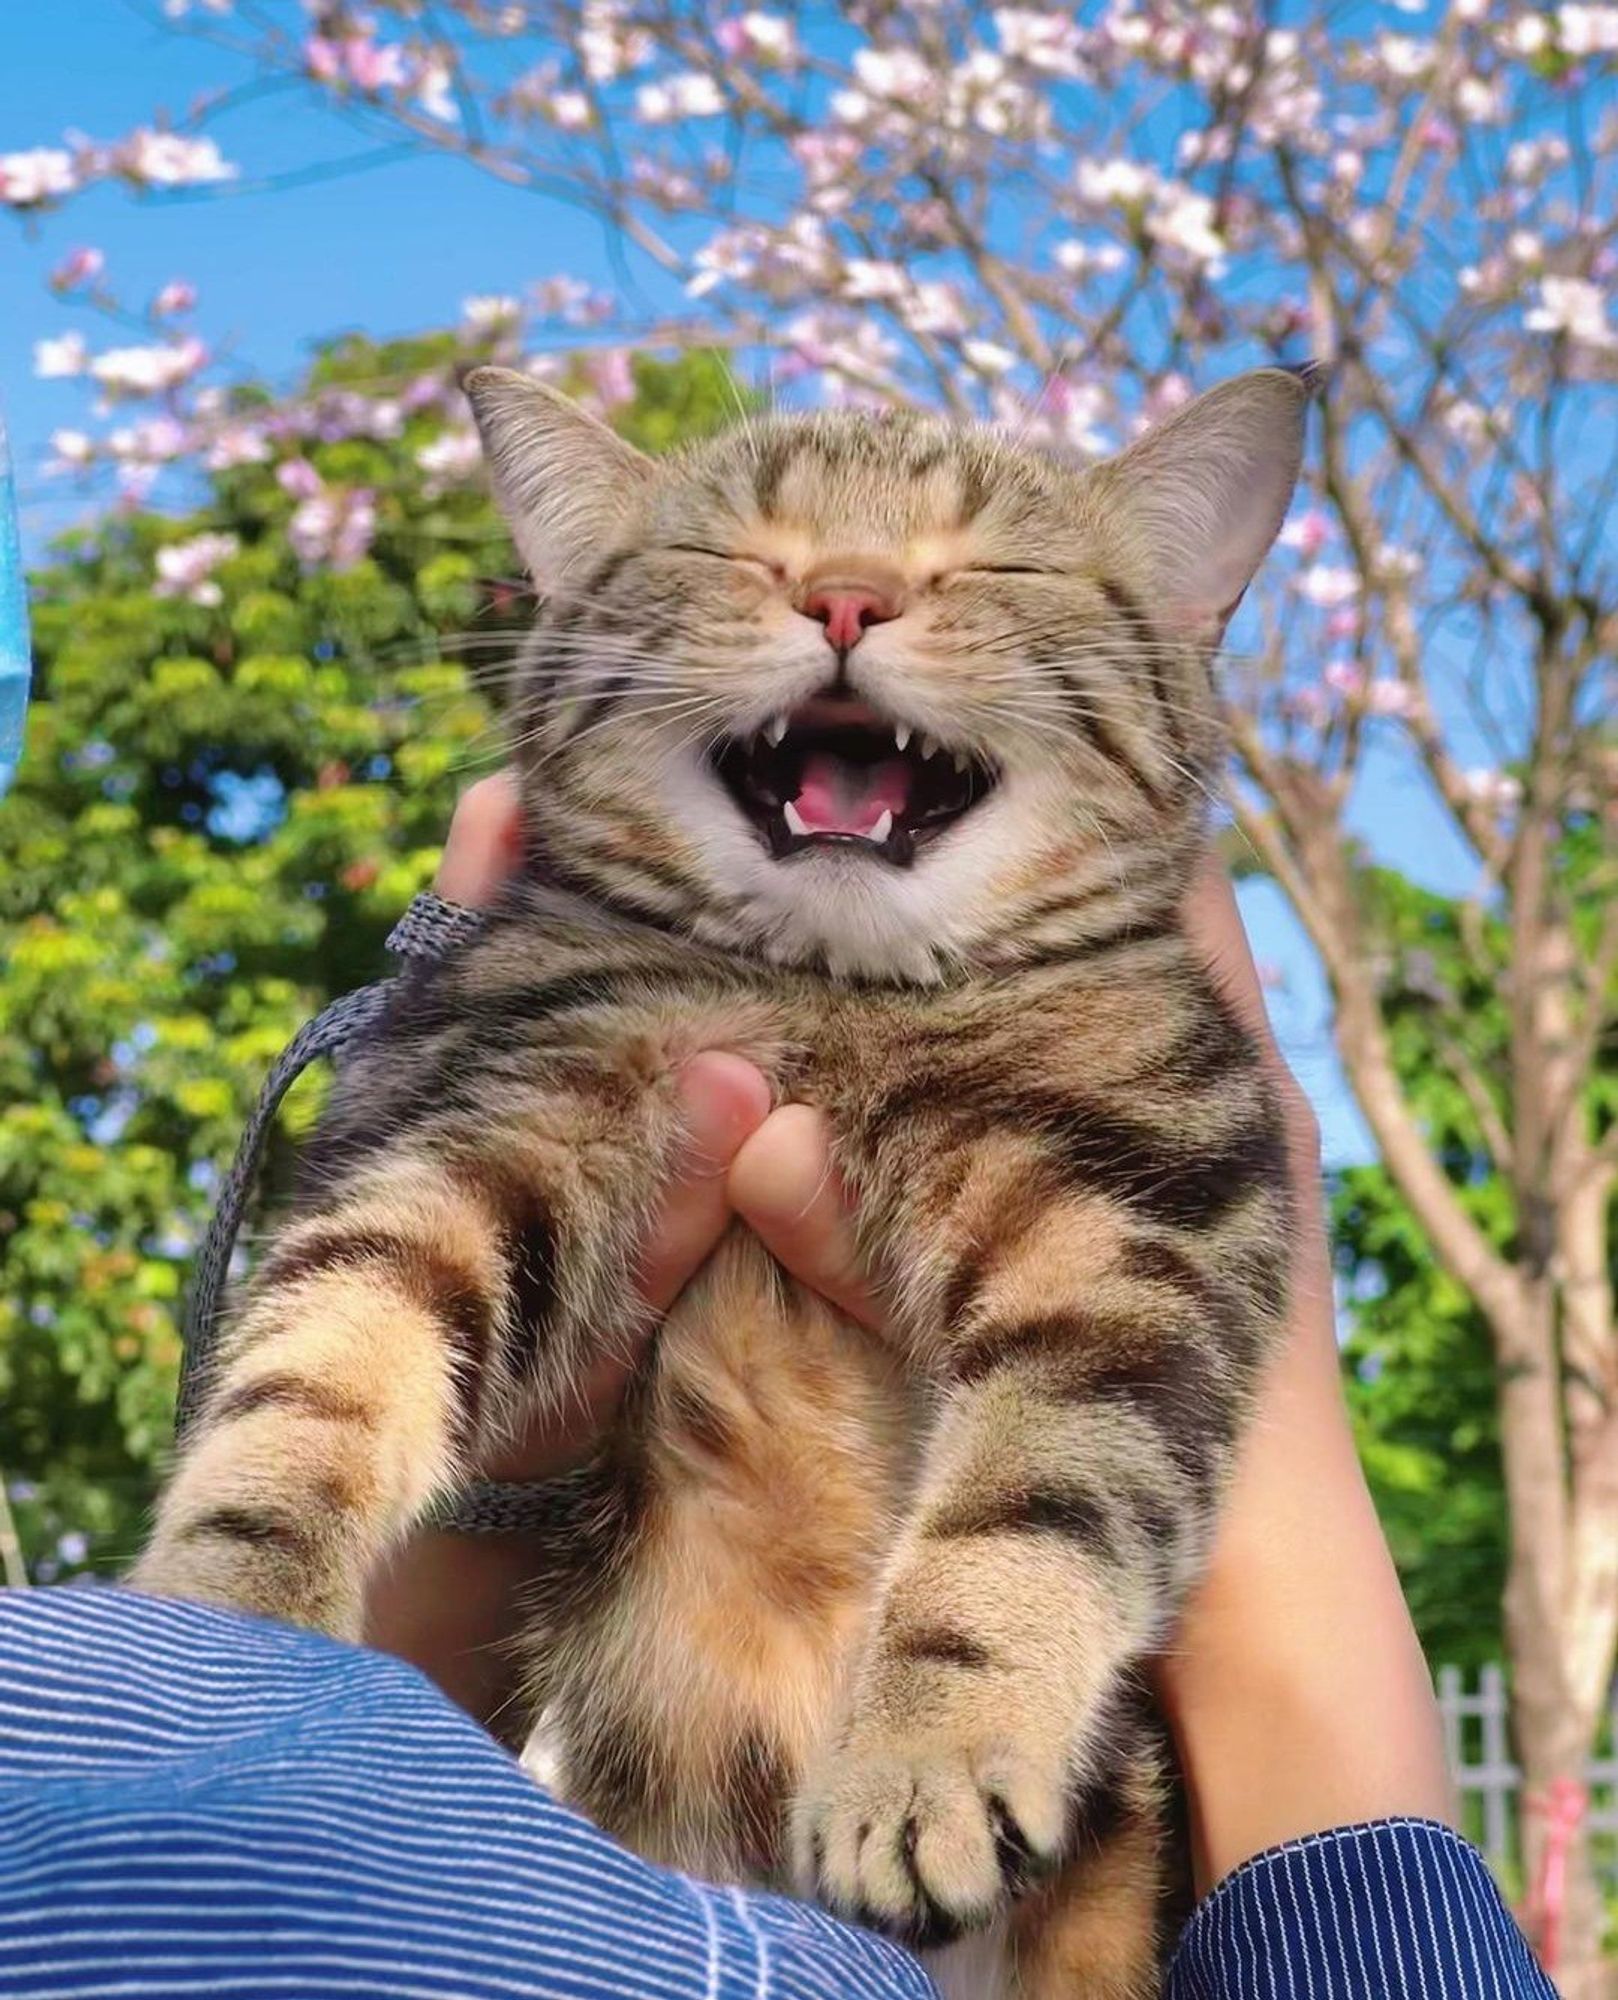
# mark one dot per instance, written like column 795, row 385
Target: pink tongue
column 835, row 796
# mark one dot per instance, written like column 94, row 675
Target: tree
column 1419, row 1367
column 233, row 783
column 1055, row 219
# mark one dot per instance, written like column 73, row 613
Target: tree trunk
column 1566, row 1929
column 1554, row 1712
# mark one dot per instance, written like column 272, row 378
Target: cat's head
column 878, row 692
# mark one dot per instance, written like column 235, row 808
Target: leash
column 429, row 929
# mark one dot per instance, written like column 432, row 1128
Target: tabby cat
column 876, row 750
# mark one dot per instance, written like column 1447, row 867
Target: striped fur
column 864, row 1614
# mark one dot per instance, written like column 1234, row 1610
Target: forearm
column 1297, row 1692
column 449, row 1604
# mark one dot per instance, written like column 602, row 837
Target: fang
column 774, row 730
column 881, row 826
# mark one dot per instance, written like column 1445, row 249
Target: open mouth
column 835, row 773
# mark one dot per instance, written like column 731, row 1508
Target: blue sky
column 390, row 250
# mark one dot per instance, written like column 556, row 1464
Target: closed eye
column 1009, row 569
column 773, row 569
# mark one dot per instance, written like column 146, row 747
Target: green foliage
column 1420, row 1368
column 220, row 812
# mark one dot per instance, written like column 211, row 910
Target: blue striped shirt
column 197, row 1803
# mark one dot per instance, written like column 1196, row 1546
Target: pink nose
column 846, row 609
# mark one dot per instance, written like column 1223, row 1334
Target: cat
column 876, row 750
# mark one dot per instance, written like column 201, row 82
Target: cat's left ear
column 1200, row 498
column 565, row 483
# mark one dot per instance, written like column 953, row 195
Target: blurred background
column 246, row 244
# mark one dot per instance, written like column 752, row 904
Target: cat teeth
column 961, row 760
column 901, row 735
column 881, row 826
column 775, row 729
column 927, row 747
column 793, row 818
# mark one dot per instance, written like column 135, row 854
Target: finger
column 485, row 842
column 723, row 1101
column 1214, row 924
column 784, row 1185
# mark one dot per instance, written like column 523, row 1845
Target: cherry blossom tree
column 1062, row 221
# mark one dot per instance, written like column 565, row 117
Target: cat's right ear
column 565, row 483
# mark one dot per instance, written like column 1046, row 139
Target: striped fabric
column 1403, row 1907
column 195, row 1803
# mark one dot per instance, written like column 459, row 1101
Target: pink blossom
column 185, row 569
column 1330, row 586
column 1574, row 307
column 333, row 528
column 148, row 371
column 933, row 307
column 758, row 37
column 1390, row 698
column 66, row 355
column 571, row 110
column 1587, row 31
column 611, row 377
column 1308, row 533
column 299, row 478
column 1077, row 258
column 988, row 357
column 1048, row 41
column 373, row 66
column 72, row 448
column 895, row 74
column 1343, row 678
column 323, row 59
column 166, row 159
column 1494, row 789
column 421, row 392
column 690, row 94
column 32, row 178
column 1164, row 397
column 568, row 299
column 153, row 441
column 864, row 278
column 450, row 458
column 235, row 444
column 77, row 268
column 434, row 91
column 177, row 296
column 491, row 312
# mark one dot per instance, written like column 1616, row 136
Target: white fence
column 1488, row 1781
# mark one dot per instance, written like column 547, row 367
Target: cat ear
column 565, row 483
column 1201, row 497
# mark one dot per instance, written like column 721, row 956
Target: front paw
column 929, row 1833
column 209, row 1567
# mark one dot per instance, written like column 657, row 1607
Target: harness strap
column 430, row 928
